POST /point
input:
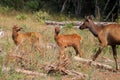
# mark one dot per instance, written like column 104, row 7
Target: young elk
column 65, row 41
column 31, row 37
column 106, row 34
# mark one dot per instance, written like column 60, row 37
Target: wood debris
column 93, row 63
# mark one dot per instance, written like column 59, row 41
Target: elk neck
column 93, row 28
column 14, row 34
column 55, row 36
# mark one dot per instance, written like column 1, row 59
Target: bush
column 70, row 25
column 32, row 5
column 21, row 17
column 4, row 10
column 41, row 16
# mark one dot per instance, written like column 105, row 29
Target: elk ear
column 89, row 17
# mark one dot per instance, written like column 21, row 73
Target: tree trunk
column 110, row 12
column 97, row 11
column 63, row 6
column 77, row 5
column 106, row 6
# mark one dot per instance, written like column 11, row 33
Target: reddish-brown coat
column 20, row 38
column 65, row 41
column 106, row 34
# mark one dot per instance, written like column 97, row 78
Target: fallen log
column 93, row 63
column 76, row 74
column 28, row 72
column 75, row 23
column 63, row 23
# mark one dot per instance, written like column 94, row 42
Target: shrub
column 32, row 5
column 41, row 16
column 21, row 17
column 70, row 25
column 4, row 10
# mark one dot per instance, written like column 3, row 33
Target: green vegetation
column 21, row 17
column 31, row 17
column 107, row 10
column 41, row 16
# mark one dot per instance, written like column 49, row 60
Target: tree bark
column 63, row 6
column 110, row 12
column 106, row 6
column 97, row 10
column 77, row 5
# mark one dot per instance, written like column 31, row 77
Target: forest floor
column 35, row 62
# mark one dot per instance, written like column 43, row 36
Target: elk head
column 86, row 24
column 16, row 28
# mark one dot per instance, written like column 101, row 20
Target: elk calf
column 65, row 41
column 106, row 34
column 31, row 37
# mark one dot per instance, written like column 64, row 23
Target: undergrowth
column 28, row 22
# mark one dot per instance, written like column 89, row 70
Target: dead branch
column 61, row 69
column 28, row 72
column 93, row 63
column 110, row 12
column 106, row 5
column 106, row 60
column 63, row 6
column 76, row 74
column 55, row 67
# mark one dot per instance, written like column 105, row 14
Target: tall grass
column 89, row 47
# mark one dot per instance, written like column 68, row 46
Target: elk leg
column 39, row 48
column 61, row 54
column 98, row 52
column 78, row 51
column 115, row 55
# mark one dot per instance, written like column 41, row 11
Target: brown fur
column 20, row 38
column 65, row 41
column 106, row 34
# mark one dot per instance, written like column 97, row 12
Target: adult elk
column 106, row 34
column 65, row 41
column 31, row 37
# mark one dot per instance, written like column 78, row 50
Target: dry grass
column 89, row 46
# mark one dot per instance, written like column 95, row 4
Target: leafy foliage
column 21, row 17
column 32, row 5
column 41, row 16
column 77, row 8
column 4, row 10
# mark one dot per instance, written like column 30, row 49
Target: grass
column 89, row 46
